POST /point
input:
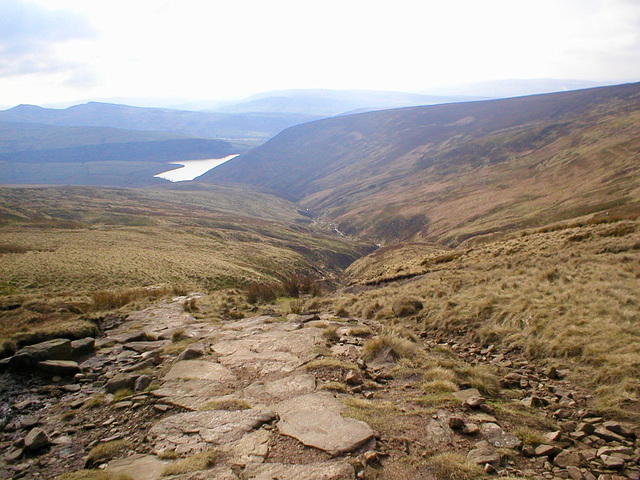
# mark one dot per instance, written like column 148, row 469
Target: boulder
column 567, row 458
column 190, row 353
column 142, row 382
column 83, row 346
column 498, row 437
column 120, row 382
column 547, row 451
column 36, row 440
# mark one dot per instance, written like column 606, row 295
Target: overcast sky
column 65, row 50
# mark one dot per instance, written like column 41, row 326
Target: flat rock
column 252, row 448
column 281, row 389
column 567, row 458
column 200, row 370
column 314, row 420
column 262, row 363
column 315, row 471
column 190, row 394
column 141, row 347
column 59, row 367
column 196, row 431
column 498, row 437
column 140, row 467
column 466, row 394
column 56, row 349
column 484, row 454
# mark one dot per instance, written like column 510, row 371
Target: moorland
column 463, row 279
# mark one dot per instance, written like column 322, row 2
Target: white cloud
column 215, row 48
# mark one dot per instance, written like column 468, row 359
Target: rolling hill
column 327, row 103
column 49, row 154
column 450, row 172
column 248, row 128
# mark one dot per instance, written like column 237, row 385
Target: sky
column 66, row 51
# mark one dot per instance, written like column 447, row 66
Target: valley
column 434, row 292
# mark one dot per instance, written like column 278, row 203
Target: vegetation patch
column 454, row 466
column 195, row 463
column 104, row 452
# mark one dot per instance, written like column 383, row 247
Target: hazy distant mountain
column 251, row 127
column 514, row 87
column 449, row 172
column 321, row 102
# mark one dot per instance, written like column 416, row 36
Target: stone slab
column 197, row 431
column 315, row 421
column 200, row 370
column 140, row 467
column 315, row 471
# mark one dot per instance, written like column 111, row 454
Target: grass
column 195, row 463
column 333, row 386
column 550, row 298
column 225, row 404
column 454, row 466
column 398, row 347
column 104, row 452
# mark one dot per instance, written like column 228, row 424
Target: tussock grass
column 529, row 436
column 338, row 387
column 104, row 452
column 544, row 294
column 398, row 347
column 454, row 466
column 195, row 463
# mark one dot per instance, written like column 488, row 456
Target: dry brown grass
column 552, row 298
column 454, row 466
column 195, row 463
column 104, row 452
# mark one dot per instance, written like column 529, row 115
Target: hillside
column 450, row 172
column 244, row 128
column 49, row 154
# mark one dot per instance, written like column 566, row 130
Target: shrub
column 262, row 292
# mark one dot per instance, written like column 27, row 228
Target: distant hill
column 451, row 172
column 49, row 154
column 247, row 127
column 326, row 103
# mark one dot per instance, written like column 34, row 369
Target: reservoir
column 192, row 168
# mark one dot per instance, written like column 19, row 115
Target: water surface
column 192, row 168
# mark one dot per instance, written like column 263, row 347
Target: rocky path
column 166, row 395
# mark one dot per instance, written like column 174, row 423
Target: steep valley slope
column 446, row 173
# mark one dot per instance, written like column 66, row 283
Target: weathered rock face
column 315, row 421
